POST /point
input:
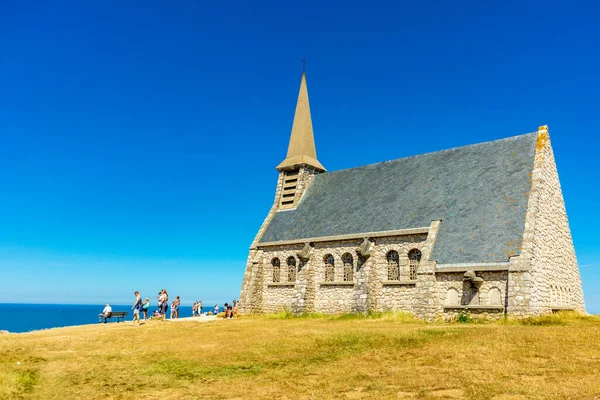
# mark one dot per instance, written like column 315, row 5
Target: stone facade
column 282, row 281
column 535, row 270
column 485, row 300
column 545, row 275
column 251, row 293
column 542, row 278
column 367, row 289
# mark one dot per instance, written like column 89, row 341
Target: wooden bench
column 115, row 314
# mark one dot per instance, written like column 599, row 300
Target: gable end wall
column 554, row 269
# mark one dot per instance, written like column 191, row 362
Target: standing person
column 230, row 309
column 145, row 308
column 216, row 309
column 175, row 308
column 226, row 307
column 165, row 304
column 194, row 309
column 159, row 299
column 137, row 305
column 199, row 307
column 235, row 308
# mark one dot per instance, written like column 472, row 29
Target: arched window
column 495, row 297
column 291, row 262
column 452, row 297
column 393, row 264
column 414, row 258
column 329, row 268
column 348, row 267
column 472, row 296
column 276, row 270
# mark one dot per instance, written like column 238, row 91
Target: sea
column 31, row 317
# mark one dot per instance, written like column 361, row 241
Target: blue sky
column 138, row 140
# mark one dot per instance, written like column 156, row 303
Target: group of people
column 231, row 309
column 141, row 307
column 197, row 308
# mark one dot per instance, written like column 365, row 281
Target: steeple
column 301, row 150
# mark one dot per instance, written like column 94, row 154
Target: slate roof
column 480, row 193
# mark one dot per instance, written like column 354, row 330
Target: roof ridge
column 428, row 153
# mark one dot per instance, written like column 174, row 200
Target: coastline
column 34, row 317
column 200, row 319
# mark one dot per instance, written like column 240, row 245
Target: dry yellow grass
column 307, row 358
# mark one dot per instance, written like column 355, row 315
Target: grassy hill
column 347, row 357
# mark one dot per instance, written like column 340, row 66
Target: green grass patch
column 187, row 369
column 17, row 382
column 287, row 314
column 397, row 316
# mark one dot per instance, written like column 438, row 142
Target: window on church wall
column 276, row 270
column 329, row 268
column 472, row 296
column 414, row 258
column 348, row 262
column 291, row 262
column 393, row 264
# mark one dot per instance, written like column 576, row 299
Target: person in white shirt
column 105, row 313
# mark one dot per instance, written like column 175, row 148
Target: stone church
column 481, row 228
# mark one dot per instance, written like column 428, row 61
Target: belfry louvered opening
column 290, row 183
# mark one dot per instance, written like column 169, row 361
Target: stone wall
column 491, row 280
column 426, row 304
column 339, row 296
column 555, row 273
column 252, row 290
column 389, row 295
column 305, row 177
column 545, row 276
column 285, row 294
column 370, row 289
column 310, row 292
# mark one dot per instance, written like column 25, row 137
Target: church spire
column 301, row 150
